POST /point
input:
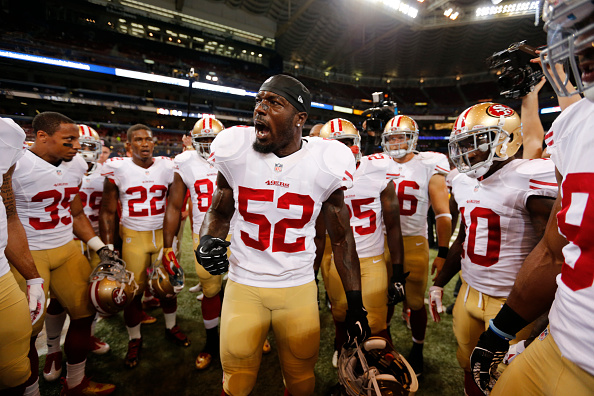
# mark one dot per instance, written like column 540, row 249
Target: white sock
column 53, row 328
column 134, row 332
column 170, row 319
column 75, row 373
column 211, row 323
column 95, row 320
column 33, row 389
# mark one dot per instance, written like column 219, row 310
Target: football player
column 278, row 183
column 421, row 182
column 372, row 203
column 504, row 204
column 194, row 174
column 140, row 183
column 15, row 327
column 46, row 182
column 90, row 193
column 560, row 270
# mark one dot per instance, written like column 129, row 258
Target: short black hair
column 137, row 127
column 49, row 122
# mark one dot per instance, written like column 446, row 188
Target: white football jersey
column 142, row 191
column 12, row 139
column 277, row 202
column 43, row 193
column 570, row 142
column 499, row 232
column 363, row 199
column 413, row 190
column 200, row 178
column 91, row 191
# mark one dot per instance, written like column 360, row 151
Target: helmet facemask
column 479, row 140
column 393, row 149
column 570, row 31
column 90, row 149
column 202, row 144
column 353, row 142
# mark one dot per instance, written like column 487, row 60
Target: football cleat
column 176, row 335
column 87, row 388
column 151, row 303
column 196, row 289
column 406, row 317
column 200, row 297
column 133, row 355
column 147, row 319
column 415, row 359
column 53, row 366
column 266, row 348
column 98, row 347
column 203, row 361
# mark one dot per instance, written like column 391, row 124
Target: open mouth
column 262, row 129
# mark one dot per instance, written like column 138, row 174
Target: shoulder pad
column 183, row 157
column 337, row 159
column 115, row 162
column 229, row 142
column 437, row 161
column 530, row 167
column 165, row 162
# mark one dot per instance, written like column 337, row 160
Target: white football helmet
column 374, row 368
column 491, row 127
column 90, row 146
column 570, row 33
column 204, row 132
column 343, row 130
column 111, row 287
column 399, row 130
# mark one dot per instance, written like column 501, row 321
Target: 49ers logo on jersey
column 498, row 110
column 119, row 298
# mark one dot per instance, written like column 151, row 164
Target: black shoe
column 415, row 359
column 450, row 309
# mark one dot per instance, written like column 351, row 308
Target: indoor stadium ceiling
column 358, row 37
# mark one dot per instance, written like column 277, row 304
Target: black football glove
column 485, row 359
column 356, row 324
column 396, row 292
column 212, row 254
column 106, row 254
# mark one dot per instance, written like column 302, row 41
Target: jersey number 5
column 265, row 229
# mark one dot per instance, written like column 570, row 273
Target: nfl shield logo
column 278, row 167
column 147, row 173
column 59, row 172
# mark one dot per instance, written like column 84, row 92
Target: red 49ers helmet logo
column 119, row 297
column 498, row 110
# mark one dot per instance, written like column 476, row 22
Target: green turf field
column 166, row 369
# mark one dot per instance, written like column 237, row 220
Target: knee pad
column 239, row 383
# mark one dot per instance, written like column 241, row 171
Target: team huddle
column 85, row 236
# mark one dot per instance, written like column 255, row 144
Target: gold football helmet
column 204, row 133
column 344, row 131
column 111, row 287
column 90, row 146
column 398, row 131
column 375, row 368
column 485, row 127
column 163, row 285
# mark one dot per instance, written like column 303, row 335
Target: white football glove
column 435, row 296
column 513, row 351
column 36, row 297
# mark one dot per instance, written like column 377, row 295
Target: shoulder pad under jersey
column 335, row 158
column 229, row 142
column 435, row 160
column 184, row 157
